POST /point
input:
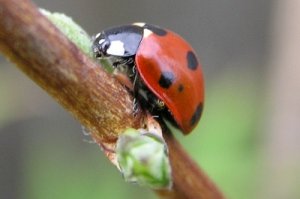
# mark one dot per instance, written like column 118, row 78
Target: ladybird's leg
column 133, row 71
column 124, row 65
column 135, row 88
column 122, row 71
column 155, row 105
column 123, row 79
column 159, row 104
column 136, row 106
column 125, row 73
column 135, row 81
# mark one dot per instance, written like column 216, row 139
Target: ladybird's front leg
column 123, row 71
column 126, row 81
column 123, row 79
column 136, row 106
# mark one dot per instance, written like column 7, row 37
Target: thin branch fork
column 96, row 99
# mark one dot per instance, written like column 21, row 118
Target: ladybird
column 162, row 68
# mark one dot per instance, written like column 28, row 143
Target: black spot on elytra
column 156, row 30
column 197, row 114
column 180, row 88
column 192, row 60
column 166, row 79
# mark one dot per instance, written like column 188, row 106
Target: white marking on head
column 116, row 48
column 101, row 41
column 141, row 24
column 98, row 35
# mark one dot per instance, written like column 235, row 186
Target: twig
column 96, row 99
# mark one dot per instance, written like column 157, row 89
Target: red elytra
column 169, row 68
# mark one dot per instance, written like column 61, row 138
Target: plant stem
column 95, row 98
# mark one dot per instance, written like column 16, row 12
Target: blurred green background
column 241, row 142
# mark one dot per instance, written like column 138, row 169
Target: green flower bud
column 143, row 159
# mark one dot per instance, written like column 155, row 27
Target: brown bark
column 96, row 99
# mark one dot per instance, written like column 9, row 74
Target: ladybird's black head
column 121, row 41
column 101, row 45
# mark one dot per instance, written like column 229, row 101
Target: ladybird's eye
column 101, row 41
column 100, row 47
column 104, row 45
